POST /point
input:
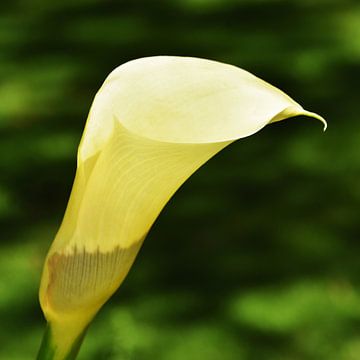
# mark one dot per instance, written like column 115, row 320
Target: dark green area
column 257, row 256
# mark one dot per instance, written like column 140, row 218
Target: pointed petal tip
column 316, row 116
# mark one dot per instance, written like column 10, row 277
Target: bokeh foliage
column 256, row 257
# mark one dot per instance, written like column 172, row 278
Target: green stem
column 48, row 350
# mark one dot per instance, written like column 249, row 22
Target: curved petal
column 183, row 100
column 152, row 124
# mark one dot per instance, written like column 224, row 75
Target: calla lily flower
column 152, row 124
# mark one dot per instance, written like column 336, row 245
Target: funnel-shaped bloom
column 152, row 124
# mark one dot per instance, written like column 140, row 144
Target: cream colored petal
column 183, row 100
column 152, row 124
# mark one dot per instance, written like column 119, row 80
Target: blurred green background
column 257, row 256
